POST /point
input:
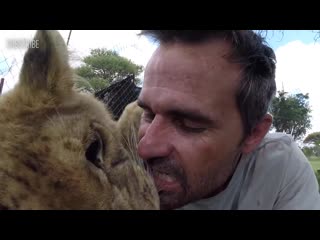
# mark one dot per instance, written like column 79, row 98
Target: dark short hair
column 249, row 49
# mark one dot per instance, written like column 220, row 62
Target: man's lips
column 165, row 182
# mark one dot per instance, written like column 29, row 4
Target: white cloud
column 125, row 42
column 298, row 69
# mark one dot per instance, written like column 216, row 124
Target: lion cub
column 59, row 148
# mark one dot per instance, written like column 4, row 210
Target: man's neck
column 225, row 185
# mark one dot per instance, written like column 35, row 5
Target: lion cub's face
column 60, row 149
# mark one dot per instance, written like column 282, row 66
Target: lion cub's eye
column 94, row 152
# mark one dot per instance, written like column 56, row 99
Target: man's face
column 191, row 128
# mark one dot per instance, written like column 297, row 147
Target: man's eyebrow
column 193, row 115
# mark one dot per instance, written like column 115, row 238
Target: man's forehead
column 192, row 65
column 164, row 99
column 206, row 81
column 199, row 54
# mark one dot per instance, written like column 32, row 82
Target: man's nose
column 157, row 139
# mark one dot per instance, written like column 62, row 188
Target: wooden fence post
column 1, row 85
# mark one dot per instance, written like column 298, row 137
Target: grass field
column 315, row 162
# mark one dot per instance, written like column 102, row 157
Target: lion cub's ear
column 45, row 64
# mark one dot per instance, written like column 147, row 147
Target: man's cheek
column 141, row 131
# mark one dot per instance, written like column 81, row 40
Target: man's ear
column 257, row 134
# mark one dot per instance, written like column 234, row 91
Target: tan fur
column 46, row 127
column 128, row 126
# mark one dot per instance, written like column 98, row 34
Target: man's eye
column 148, row 116
column 189, row 126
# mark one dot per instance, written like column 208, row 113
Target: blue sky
column 276, row 38
column 3, row 65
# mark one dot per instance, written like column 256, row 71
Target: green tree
column 291, row 114
column 102, row 67
column 308, row 151
column 312, row 139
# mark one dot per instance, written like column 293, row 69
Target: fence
column 118, row 95
column 10, row 65
column 1, row 85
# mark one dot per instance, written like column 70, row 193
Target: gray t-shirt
column 275, row 176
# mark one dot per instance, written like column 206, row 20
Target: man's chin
column 171, row 200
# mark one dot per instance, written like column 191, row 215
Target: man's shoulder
column 280, row 160
column 280, row 153
column 277, row 137
column 276, row 145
